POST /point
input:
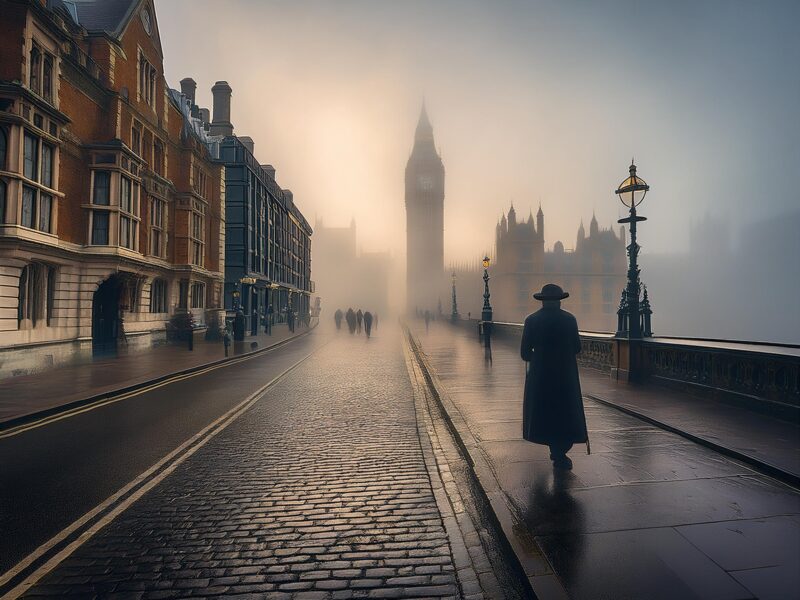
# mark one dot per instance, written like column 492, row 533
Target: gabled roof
column 109, row 16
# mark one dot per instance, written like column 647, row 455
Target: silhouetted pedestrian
column 368, row 323
column 350, row 317
column 552, row 412
column 359, row 318
column 427, row 320
column 375, row 321
column 268, row 325
column 290, row 318
column 337, row 316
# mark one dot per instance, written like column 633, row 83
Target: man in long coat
column 368, row 323
column 337, row 316
column 553, row 408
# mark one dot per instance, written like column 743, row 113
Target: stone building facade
column 267, row 239
column 593, row 273
column 111, row 206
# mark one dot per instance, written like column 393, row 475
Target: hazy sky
column 530, row 101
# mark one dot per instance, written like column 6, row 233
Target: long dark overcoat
column 553, row 408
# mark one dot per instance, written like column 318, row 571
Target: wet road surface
column 52, row 475
column 320, row 490
column 648, row 514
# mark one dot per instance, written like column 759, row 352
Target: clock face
column 425, row 182
column 146, row 20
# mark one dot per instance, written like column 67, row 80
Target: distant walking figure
column 351, row 320
column 360, row 318
column 290, row 318
column 368, row 323
column 337, row 316
column 427, row 320
column 552, row 412
column 375, row 321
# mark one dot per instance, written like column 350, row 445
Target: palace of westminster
column 593, row 273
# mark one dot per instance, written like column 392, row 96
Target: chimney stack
column 189, row 89
column 221, row 125
column 269, row 169
column 289, row 196
column 248, row 143
column 205, row 116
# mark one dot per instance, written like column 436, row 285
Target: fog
column 536, row 103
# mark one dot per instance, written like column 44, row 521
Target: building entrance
column 105, row 315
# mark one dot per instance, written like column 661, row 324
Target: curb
column 539, row 573
column 766, row 468
column 55, row 410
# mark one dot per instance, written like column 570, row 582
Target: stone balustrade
column 759, row 375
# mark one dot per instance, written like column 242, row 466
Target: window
column 136, row 139
column 198, row 295
column 45, row 212
column 2, row 201
column 36, row 67
column 147, row 81
column 36, row 294
column 197, row 237
column 157, row 208
column 102, row 188
column 99, row 228
column 28, row 207
column 51, row 293
column 158, row 158
column 3, row 148
column 30, row 165
column 158, row 296
column 47, row 78
column 128, row 201
column 47, row 165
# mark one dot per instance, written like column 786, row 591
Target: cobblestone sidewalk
column 319, row 491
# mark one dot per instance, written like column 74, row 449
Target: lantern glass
column 633, row 189
column 486, row 262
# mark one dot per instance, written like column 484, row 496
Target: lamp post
column 486, row 312
column 454, row 312
column 632, row 192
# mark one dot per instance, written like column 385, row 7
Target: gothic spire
column 424, row 128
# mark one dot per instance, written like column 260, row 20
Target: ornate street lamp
column 454, row 311
column 486, row 313
column 632, row 192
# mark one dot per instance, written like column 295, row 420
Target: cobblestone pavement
column 320, row 490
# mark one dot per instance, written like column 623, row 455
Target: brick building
column 111, row 205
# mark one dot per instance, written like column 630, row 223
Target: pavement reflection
column 638, row 518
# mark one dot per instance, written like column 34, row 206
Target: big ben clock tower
column 424, row 220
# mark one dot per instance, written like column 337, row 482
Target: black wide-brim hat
column 551, row 291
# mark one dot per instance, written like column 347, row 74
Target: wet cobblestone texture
column 319, row 491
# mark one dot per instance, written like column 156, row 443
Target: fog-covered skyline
column 531, row 102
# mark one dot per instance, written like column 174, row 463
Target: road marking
column 147, row 480
column 105, row 401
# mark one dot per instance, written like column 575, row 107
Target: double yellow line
column 104, row 513
column 147, row 388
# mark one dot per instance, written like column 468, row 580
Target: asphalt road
column 52, row 475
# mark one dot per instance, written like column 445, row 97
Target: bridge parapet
column 759, row 375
